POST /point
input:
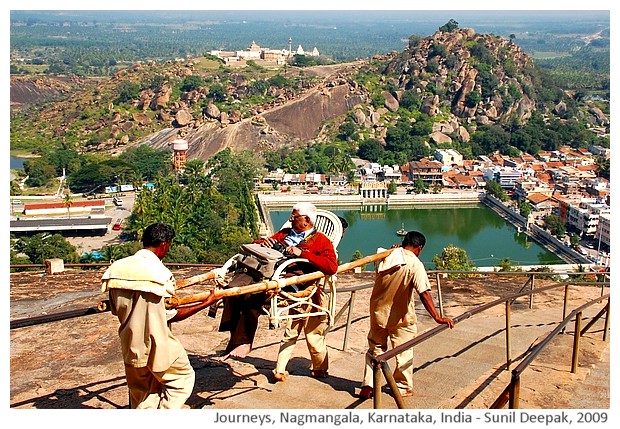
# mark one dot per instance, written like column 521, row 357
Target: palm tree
column 68, row 202
column 137, row 180
column 334, row 160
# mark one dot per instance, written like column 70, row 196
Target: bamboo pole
column 175, row 301
column 195, row 279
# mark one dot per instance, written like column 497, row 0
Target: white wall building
column 449, row 157
column 585, row 217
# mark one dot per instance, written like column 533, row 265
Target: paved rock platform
column 76, row 363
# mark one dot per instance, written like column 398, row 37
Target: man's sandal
column 319, row 373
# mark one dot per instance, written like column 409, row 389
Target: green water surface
column 486, row 237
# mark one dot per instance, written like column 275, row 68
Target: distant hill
column 461, row 79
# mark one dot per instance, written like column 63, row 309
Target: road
column 87, row 244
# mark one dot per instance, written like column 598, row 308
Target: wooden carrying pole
column 180, row 284
column 176, row 301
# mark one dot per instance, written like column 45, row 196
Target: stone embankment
column 269, row 199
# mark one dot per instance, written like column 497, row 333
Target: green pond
column 486, row 237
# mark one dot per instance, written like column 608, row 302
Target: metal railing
column 511, row 394
column 380, row 365
column 437, row 274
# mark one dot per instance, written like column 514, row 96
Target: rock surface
column 76, row 363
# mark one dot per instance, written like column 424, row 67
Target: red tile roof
column 61, row 205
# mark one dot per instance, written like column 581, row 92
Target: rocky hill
column 463, row 79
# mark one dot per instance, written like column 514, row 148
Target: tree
column 472, row 99
column 414, row 39
column 449, row 26
column 420, row 186
column 146, row 161
column 127, row 91
column 410, row 100
column 39, row 171
column 505, row 265
column 453, row 259
column 604, row 166
column 525, row 208
column 181, row 253
column 218, row 92
column 358, row 255
column 14, row 188
column 371, row 150
column 44, row 246
column 495, row 189
column 555, row 225
column 191, row 83
column 347, row 130
column 68, row 202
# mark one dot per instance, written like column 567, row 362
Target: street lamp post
column 598, row 249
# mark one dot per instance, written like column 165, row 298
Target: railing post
column 439, row 297
column 508, row 331
column 565, row 306
column 576, row 343
column 376, row 384
column 606, row 330
column 349, row 319
column 389, row 377
column 532, row 290
column 515, row 388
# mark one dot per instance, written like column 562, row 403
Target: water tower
column 179, row 148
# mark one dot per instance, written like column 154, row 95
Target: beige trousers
column 314, row 328
column 167, row 389
column 377, row 344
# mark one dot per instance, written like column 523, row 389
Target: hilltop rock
column 601, row 119
column 430, row 105
column 447, row 57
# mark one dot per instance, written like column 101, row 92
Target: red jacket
column 317, row 249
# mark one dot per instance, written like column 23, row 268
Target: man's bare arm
column 189, row 310
column 427, row 301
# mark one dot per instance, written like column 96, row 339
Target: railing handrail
column 106, row 264
column 379, row 363
column 464, row 316
column 533, row 352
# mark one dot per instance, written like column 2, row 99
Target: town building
column 450, row 158
column 426, row 170
column 64, row 208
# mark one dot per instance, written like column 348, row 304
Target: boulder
column 560, row 109
column 126, row 126
column 440, row 138
column 235, row 116
column 211, row 111
column 601, row 119
column 430, row 105
column 390, row 101
column 183, row 118
column 141, row 119
column 463, row 135
column 359, row 117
